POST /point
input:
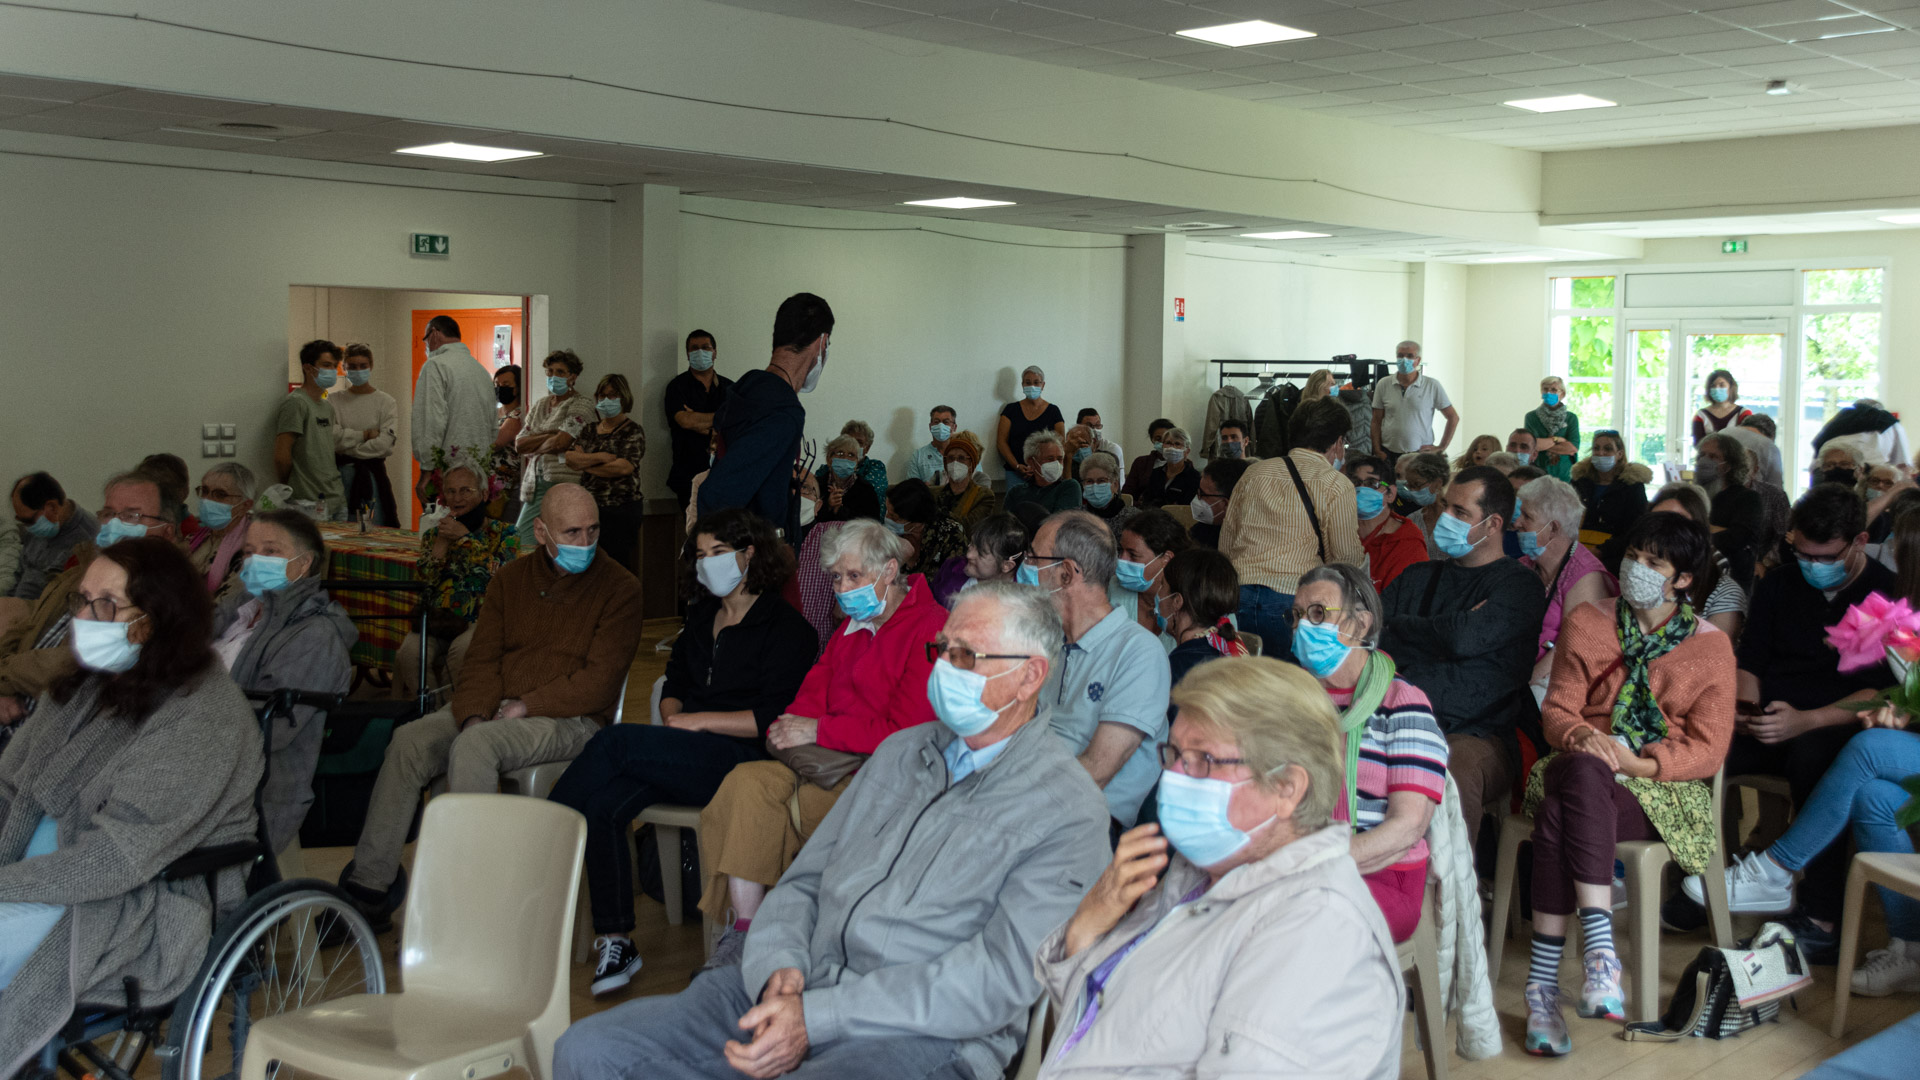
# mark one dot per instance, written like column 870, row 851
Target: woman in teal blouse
column 1558, row 426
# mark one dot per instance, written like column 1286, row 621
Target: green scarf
column 1636, row 716
column 1375, row 679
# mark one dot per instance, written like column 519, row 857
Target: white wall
column 921, row 318
column 1241, row 303
column 141, row 300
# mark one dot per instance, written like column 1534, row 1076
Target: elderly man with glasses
column 901, row 941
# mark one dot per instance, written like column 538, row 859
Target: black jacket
column 1615, row 510
column 1785, row 642
column 757, row 663
column 759, row 424
column 1741, row 517
column 1471, row 649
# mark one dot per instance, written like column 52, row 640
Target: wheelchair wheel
column 291, row 945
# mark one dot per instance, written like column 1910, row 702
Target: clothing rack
column 1351, row 368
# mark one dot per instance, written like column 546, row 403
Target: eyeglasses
column 216, row 494
column 133, row 517
column 964, row 658
column 1821, row 559
column 100, row 609
column 1195, row 763
column 1314, row 613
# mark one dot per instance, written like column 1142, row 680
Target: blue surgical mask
column 325, row 377
column 1133, row 575
column 1530, row 544
column 700, row 359
column 1080, row 455
column 1174, row 455
column 113, row 530
column 1405, row 364
column 1156, row 447
column 1193, row 817
column 1420, row 497
column 1706, row 471
column 1370, row 501
column 893, row 526
column 556, row 384
column 1605, row 462
column 103, row 646
column 359, row 376
column 607, row 407
column 1453, row 536
column 574, row 560
column 1232, row 449
column 42, row 528
column 1550, row 398
column 1718, row 394
column 1098, row 494
column 1031, row 393
column 1823, row 575
column 1319, row 648
column 861, row 604
column 720, row 574
column 843, row 467
column 1027, row 574
column 1522, row 457
column 941, row 432
column 262, row 574
column 955, row 697
column 1159, row 620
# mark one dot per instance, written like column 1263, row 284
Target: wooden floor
column 1775, row 1052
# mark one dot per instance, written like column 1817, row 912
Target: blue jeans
column 23, row 925
column 1264, row 612
column 1862, row 787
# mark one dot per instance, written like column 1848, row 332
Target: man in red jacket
column 870, row 683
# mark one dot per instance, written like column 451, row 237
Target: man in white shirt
column 1403, row 408
column 366, row 423
column 929, row 462
column 453, row 402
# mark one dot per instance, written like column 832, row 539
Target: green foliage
column 1592, row 292
column 1651, row 349
column 1863, row 286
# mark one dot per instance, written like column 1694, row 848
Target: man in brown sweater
column 551, row 651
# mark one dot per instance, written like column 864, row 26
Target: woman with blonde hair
column 1319, row 385
column 1555, row 429
column 1279, row 954
column 1477, row 452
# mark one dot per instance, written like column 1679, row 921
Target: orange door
column 495, row 336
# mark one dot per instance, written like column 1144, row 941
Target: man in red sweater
column 551, row 652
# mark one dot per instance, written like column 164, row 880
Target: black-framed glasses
column 1195, row 763
column 133, row 517
column 216, row 494
column 964, row 658
column 1314, row 613
column 1822, row 559
column 100, row 609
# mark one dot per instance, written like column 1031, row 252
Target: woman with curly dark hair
column 146, row 751
column 735, row 668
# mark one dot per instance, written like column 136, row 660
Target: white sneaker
column 1752, row 887
column 1892, row 970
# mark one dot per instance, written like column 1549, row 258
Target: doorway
column 1671, row 362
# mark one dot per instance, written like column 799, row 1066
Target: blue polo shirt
column 1116, row 673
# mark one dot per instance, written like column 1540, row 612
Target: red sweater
column 1693, row 685
column 1390, row 553
column 869, row 685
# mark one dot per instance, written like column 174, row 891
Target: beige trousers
column 444, row 660
column 755, row 825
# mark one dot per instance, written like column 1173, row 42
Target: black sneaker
column 1681, row 915
column 1819, row 946
column 619, row 962
column 375, row 905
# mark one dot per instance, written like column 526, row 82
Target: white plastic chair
column 483, row 957
column 1420, row 959
column 1891, row 870
column 667, row 820
column 1036, row 1050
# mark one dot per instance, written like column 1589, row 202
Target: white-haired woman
column 1555, row 429
column 222, row 508
column 1252, row 947
column 1176, row 482
column 869, row 683
column 1548, row 522
column 1021, row 419
column 844, row 493
column 458, row 558
column 871, row 469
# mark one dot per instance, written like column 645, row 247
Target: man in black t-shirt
column 692, row 397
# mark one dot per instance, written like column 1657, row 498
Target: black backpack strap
column 1306, row 501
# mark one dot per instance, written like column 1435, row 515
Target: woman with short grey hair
column 871, row 469
column 1548, row 515
column 1177, row 480
column 1020, row 419
column 845, row 494
column 223, row 506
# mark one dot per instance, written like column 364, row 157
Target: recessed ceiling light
column 1563, row 103
column 1901, row 219
column 469, row 152
column 958, row 203
column 1252, row 32
column 1290, row 234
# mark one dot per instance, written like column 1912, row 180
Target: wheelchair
column 288, row 945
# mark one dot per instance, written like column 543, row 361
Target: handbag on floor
column 1726, row 991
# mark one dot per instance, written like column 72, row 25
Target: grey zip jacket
column 916, row 908
column 301, row 643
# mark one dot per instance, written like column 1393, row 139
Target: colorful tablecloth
column 374, row 555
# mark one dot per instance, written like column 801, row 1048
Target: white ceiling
column 1680, row 70
column 1757, row 225
column 119, row 114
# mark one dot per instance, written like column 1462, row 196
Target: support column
column 1160, row 381
column 1436, row 318
column 643, row 305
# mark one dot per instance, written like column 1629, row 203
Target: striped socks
column 1596, row 929
column 1545, row 966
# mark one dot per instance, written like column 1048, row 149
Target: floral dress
column 458, row 583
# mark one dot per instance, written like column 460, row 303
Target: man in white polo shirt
column 1108, row 695
column 1403, row 408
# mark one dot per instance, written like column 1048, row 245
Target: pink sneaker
column 1600, row 995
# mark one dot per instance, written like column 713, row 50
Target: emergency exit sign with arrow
column 431, row 244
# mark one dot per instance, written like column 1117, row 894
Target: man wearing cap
column 453, row 402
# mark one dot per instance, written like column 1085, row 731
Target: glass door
column 1653, row 435
column 1753, row 351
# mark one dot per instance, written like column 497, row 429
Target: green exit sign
column 431, row 244
column 1733, row 247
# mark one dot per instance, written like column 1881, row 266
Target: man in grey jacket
column 453, row 400
column 900, row 942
